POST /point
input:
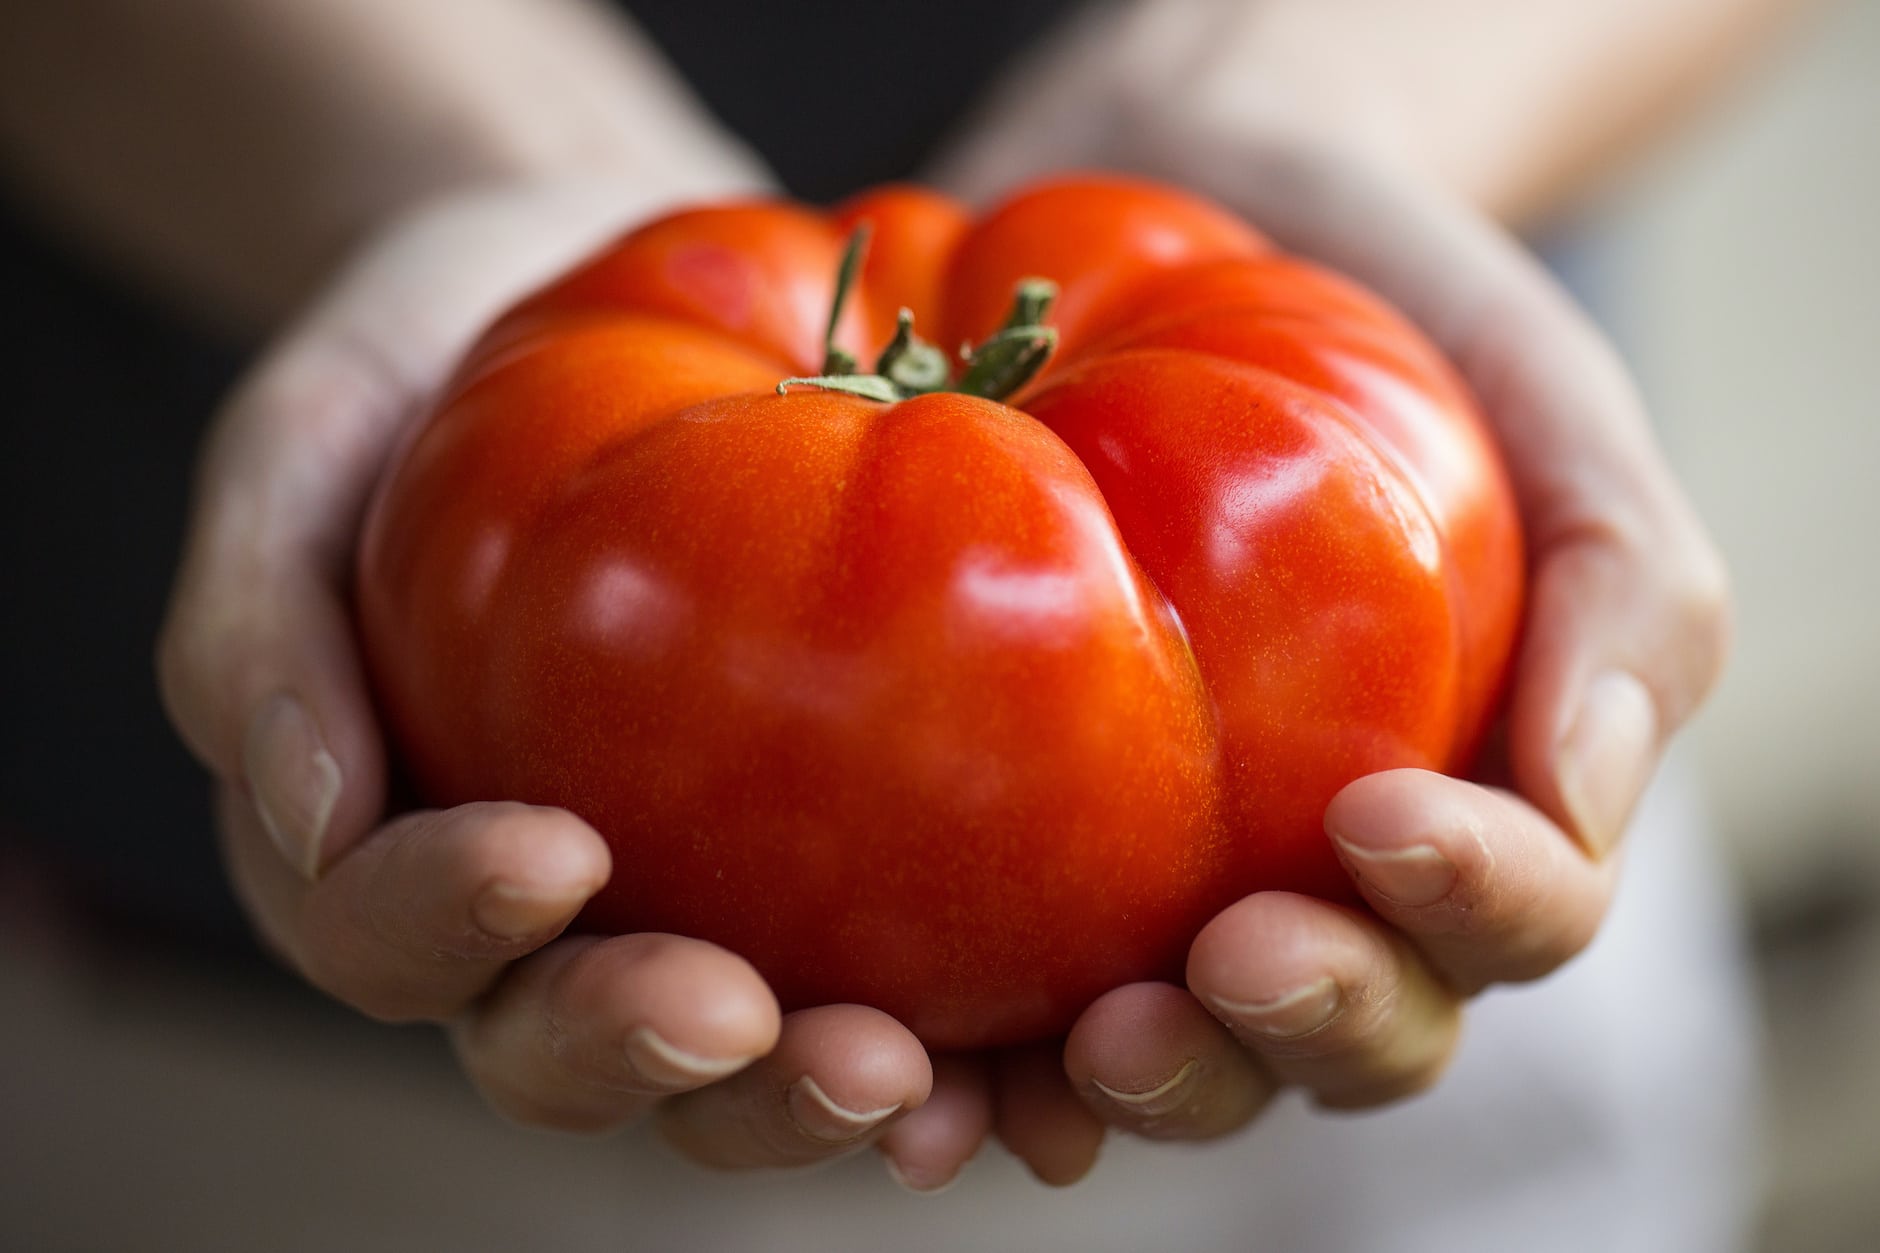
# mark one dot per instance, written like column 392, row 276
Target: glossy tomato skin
column 968, row 711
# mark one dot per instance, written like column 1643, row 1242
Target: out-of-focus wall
column 1749, row 267
column 1752, row 253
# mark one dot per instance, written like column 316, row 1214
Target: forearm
column 232, row 150
column 1515, row 106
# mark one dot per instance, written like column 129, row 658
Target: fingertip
column 1485, row 885
column 839, row 1077
column 1041, row 1120
column 1327, row 998
column 1137, row 1046
column 1276, row 965
column 1629, row 630
column 834, row 1121
column 1604, row 761
column 293, row 778
column 926, row 1150
column 1387, row 808
column 864, row 1060
column 511, row 912
column 589, row 1032
column 1151, row 1060
column 265, row 687
column 1068, row 1157
column 663, row 1013
column 537, row 866
column 1409, row 838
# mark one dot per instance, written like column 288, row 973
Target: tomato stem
column 911, row 362
column 1031, row 303
column 867, row 386
column 837, row 360
column 910, row 366
column 1014, row 354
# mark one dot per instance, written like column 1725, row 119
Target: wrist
column 1229, row 82
column 429, row 274
column 580, row 175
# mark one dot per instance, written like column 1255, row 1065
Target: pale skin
column 454, row 173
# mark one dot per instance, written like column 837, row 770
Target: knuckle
column 372, row 986
column 1385, row 1088
column 1399, row 1059
column 1537, row 924
column 510, row 1098
column 756, row 1141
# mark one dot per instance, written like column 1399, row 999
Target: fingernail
column 663, row 1064
column 562, row 874
column 822, row 1119
column 916, row 1180
column 510, row 911
column 1164, row 1098
column 1606, row 758
column 1291, row 1015
column 293, row 779
column 1412, row 877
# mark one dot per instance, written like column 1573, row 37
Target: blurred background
column 1744, row 275
column 1750, row 276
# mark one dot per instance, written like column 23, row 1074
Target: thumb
column 256, row 660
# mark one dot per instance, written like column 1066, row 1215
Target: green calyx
column 910, row 366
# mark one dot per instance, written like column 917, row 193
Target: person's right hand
column 1470, row 883
column 456, row 916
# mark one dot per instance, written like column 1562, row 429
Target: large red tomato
column 964, row 709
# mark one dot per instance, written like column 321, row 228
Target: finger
column 1149, row 1059
column 1480, row 881
column 256, row 659
column 424, row 916
column 1628, row 617
column 1628, row 632
column 1325, row 998
column 927, row 1148
column 1040, row 1118
column 588, row 1033
column 837, row 1078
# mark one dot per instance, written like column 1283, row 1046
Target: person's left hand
column 1471, row 884
column 456, row 916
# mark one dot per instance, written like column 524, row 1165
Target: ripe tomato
column 964, row 709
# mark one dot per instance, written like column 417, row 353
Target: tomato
column 964, row 708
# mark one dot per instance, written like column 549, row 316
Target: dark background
column 106, row 393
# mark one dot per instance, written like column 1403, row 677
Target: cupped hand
column 457, row 916
column 1470, row 884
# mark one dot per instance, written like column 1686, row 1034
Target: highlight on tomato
column 960, row 636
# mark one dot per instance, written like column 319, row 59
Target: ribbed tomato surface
column 970, row 711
